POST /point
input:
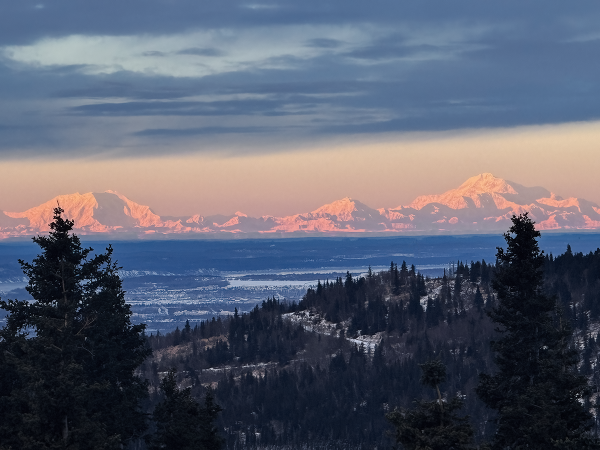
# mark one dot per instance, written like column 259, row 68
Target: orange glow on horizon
column 383, row 171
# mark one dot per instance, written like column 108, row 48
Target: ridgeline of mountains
column 482, row 204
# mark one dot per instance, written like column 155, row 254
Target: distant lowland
column 482, row 204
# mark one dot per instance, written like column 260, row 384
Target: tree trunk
column 65, row 432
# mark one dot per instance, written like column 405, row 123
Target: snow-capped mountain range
column 482, row 204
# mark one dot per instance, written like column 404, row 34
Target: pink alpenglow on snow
column 482, row 204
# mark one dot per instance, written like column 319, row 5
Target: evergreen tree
column 421, row 286
column 537, row 393
column 396, row 280
column 432, row 425
column 186, row 333
column 71, row 353
column 478, row 300
column 457, row 286
column 413, row 270
column 485, row 272
column 475, row 272
column 177, row 336
column 181, row 423
column 403, row 273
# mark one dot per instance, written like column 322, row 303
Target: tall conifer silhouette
column 536, row 391
column 71, row 352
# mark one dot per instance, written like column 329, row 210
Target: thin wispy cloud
column 227, row 50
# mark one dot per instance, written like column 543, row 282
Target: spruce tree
column 457, row 286
column 403, row 273
column 71, row 352
column 432, row 425
column 536, row 391
column 181, row 423
column 485, row 272
column 478, row 300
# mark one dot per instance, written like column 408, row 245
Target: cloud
column 196, row 51
column 230, row 50
column 249, row 106
column 153, row 53
column 323, row 43
column 124, row 89
column 70, row 71
column 187, row 132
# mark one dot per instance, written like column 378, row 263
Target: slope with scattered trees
column 69, row 361
column 323, row 373
column 353, row 346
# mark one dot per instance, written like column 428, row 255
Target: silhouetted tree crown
column 433, row 425
column 181, row 423
column 71, row 352
column 536, row 390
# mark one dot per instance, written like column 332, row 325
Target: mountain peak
column 485, row 183
column 483, row 187
column 483, row 203
column 342, row 208
column 97, row 212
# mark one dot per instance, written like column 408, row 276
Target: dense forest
column 326, row 371
column 501, row 355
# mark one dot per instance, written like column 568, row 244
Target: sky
column 278, row 107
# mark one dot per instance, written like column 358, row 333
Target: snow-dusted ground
column 236, row 283
column 315, row 323
column 162, row 307
column 369, row 343
column 163, row 304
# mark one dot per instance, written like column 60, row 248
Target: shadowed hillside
column 325, row 371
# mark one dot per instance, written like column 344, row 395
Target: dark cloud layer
column 407, row 66
column 201, row 51
column 187, row 132
column 189, row 108
column 22, row 21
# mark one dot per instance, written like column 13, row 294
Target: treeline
column 69, row 362
column 261, row 335
column 323, row 373
column 324, row 387
column 575, row 279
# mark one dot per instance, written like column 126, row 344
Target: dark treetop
column 68, row 357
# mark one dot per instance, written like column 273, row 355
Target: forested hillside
column 355, row 356
column 325, row 372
